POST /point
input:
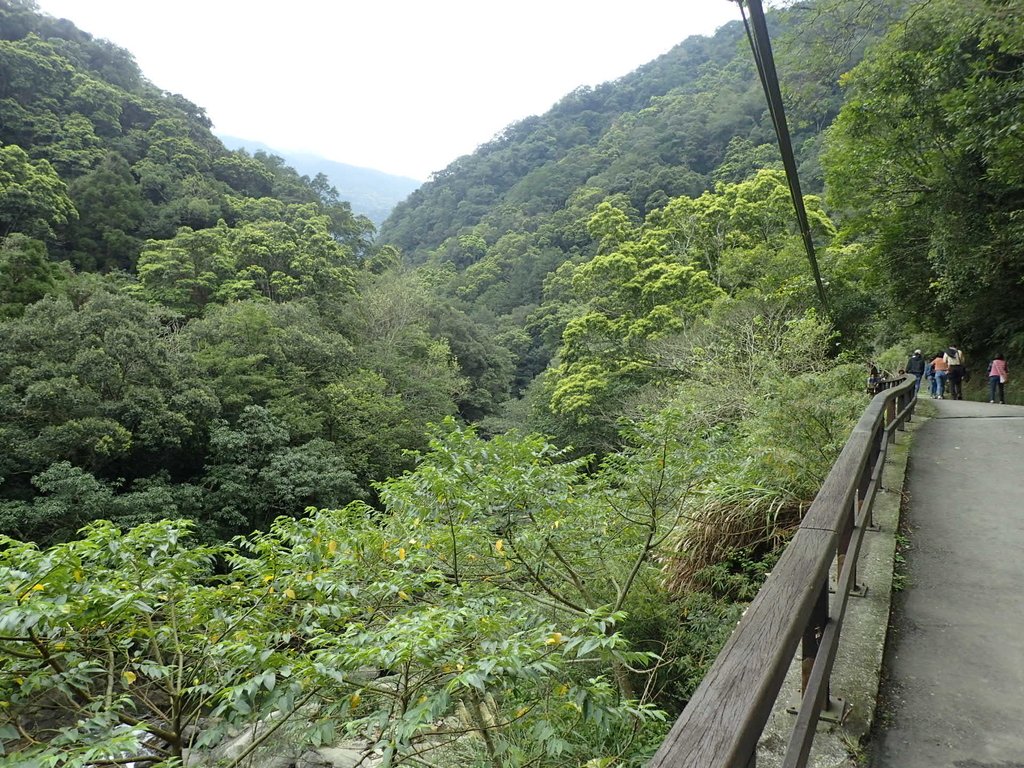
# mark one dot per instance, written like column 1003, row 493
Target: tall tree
column 33, row 199
column 26, row 274
column 924, row 164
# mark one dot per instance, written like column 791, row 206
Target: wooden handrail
column 720, row 726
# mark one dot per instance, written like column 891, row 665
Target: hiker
column 915, row 365
column 874, row 379
column 941, row 369
column 997, row 374
column 955, row 360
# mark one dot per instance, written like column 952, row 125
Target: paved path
column 954, row 689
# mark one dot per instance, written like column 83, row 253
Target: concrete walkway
column 953, row 693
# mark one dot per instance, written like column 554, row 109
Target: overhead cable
column 760, row 45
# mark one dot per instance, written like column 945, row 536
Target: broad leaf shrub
column 478, row 613
column 509, row 602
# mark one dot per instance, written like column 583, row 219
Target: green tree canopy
column 924, row 163
column 33, row 199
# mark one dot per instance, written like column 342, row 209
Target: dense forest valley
column 492, row 485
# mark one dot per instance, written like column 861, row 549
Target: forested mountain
column 673, row 149
column 492, row 488
column 124, row 161
column 371, row 193
column 675, row 126
column 182, row 320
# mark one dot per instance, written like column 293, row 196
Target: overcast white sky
column 403, row 86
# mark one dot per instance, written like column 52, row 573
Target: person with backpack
column 997, row 375
column 955, row 360
column 915, row 365
column 874, row 379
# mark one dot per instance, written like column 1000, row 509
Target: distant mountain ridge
column 675, row 126
column 372, row 193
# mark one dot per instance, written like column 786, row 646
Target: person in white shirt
column 955, row 360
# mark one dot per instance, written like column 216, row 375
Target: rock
column 346, row 756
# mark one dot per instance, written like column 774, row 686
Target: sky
column 401, row 86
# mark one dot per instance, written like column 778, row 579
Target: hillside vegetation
column 492, row 487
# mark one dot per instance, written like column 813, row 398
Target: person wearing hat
column 915, row 365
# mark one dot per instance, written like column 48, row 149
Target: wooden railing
column 725, row 717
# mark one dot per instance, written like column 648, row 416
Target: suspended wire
column 761, row 47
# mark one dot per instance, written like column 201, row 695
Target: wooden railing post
column 811, row 642
column 869, row 470
column 890, row 417
column 845, row 535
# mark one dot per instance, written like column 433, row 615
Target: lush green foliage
column 197, row 344
column 253, row 410
column 473, row 606
column 672, row 128
column 650, row 281
column 504, row 606
column 924, row 162
column 96, row 160
column 250, row 341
